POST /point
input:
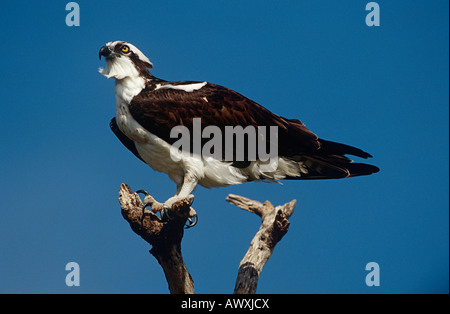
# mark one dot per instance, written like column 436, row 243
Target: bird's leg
column 184, row 191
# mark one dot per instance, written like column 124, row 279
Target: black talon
column 192, row 222
column 145, row 205
column 143, row 192
column 165, row 214
column 143, row 211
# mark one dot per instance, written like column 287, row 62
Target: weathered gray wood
column 274, row 226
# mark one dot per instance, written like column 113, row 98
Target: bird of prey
column 149, row 108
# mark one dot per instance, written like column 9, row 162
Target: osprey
column 148, row 108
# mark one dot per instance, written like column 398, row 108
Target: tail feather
column 360, row 169
column 329, row 162
column 329, row 148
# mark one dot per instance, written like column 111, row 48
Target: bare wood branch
column 165, row 237
column 274, row 226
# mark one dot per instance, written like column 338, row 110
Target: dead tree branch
column 274, row 226
column 165, row 237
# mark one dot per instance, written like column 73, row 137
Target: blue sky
column 384, row 89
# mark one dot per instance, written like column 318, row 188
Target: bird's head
column 123, row 60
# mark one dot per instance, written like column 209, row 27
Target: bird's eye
column 125, row 49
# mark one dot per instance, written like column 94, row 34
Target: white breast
column 153, row 150
column 125, row 90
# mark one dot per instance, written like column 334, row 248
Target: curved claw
column 145, row 196
column 165, row 214
column 192, row 222
column 149, row 201
column 191, row 199
column 143, row 210
column 143, row 192
column 145, row 206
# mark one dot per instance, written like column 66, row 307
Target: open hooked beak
column 105, row 51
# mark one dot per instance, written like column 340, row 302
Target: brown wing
column 160, row 110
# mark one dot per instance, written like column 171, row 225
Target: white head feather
column 122, row 66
